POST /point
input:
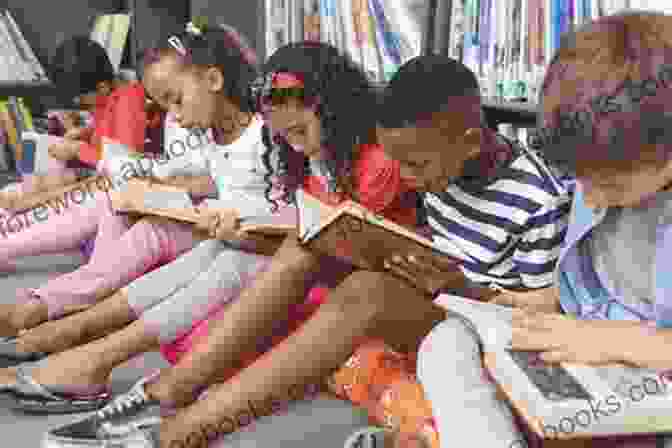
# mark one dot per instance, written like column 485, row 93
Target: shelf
column 523, row 114
column 24, row 88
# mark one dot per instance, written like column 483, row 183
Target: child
column 82, row 70
column 605, row 103
column 152, row 241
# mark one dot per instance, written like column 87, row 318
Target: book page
column 160, row 200
column 312, row 214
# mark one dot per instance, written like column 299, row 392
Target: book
column 25, row 51
column 111, row 32
column 36, row 158
column 559, row 401
column 17, row 68
column 137, row 197
column 356, row 235
column 9, row 125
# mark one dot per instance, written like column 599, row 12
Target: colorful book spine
column 10, row 127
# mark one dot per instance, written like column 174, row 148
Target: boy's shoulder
column 528, row 167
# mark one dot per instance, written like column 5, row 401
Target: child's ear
column 215, row 79
column 472, row 138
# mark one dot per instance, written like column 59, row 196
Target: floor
column 19, row 430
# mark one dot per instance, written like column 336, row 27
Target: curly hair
column 345, row 102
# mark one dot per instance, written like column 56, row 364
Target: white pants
column 464, row 402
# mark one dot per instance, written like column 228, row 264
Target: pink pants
column 121, row 254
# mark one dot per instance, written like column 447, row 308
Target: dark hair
column 345, row 102
column 221, row 46
column 422, row 86
column 79, row 65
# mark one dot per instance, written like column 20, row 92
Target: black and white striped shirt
column 509, row 227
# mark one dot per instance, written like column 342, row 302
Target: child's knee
column 360, row 295
column 447, row 348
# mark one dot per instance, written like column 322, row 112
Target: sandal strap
column 23, row 377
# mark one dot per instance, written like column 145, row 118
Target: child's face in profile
column 432, row 153
column 185, row 93
column 298, row 124
column 627, row 189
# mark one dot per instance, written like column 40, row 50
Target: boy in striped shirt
column 497, row 204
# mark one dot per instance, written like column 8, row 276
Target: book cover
column 359, row 236
column 25, row 51
column 111, row 32
column 18, row 68
column 10, row 127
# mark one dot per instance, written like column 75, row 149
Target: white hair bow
column 193, row 29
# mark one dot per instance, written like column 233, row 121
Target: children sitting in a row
column 301, row 94
column 497, row 202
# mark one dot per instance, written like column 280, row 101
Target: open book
column 566, row 400
column 137, row 197
column 360, row 237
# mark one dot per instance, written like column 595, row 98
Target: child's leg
column 55, row 336
column 227, row 276
column 160, row 284
column 116, row 262
column 125, row 305
column 88, row 367
column 365, row 304
column 167, row 320
column 464, row 401
column 65, row 228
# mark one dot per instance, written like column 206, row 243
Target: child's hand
column 428, row 275
column 66, row 150
column 260, row 244
column 74, row 133
column 218, row 224
column 545, row 300
column 564, row 339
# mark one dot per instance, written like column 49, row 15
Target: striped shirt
column 508, row 226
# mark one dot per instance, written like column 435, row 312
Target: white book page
column 312, row 213
column 167, row 200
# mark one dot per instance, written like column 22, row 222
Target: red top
column 120, row 116
column 379, row 185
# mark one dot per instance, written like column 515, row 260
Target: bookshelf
column 519, row 114
column 150, row 19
